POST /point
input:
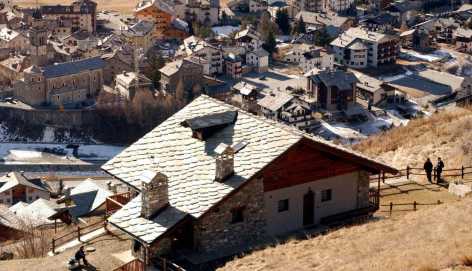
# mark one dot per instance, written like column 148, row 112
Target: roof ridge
column 295, row 131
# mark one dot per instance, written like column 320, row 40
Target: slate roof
column 8, row 218
column 338, row 78
column 39, row 212
column 275, row 100
column 73, row 67
column 189, row 164
column 87, row 197
column 13, row 179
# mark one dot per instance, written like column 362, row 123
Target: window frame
column 283, row 205
column 237, row 215
column 326, row 195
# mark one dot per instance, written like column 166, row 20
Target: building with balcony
column 360, row 48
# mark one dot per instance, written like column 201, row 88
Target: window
column 237, row 215
column 326, row 195
column 283, row 205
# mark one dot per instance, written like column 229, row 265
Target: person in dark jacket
column 80, row 254
column 439, row 169
column 428, row 168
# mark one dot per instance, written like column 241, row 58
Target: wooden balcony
column 116, row 202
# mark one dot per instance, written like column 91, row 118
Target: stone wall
column 56, row 118
column 214, row 232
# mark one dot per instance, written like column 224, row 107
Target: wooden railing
column 412, row 171
column 116, row 202
column 413, row 205
column 164, row 264
column 77, row 233
column 134, row 265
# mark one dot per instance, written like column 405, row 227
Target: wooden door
column 309, row 208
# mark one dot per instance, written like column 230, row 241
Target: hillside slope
column 429, row 239
column 447, row 134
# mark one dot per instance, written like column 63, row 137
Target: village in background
column 235, row 135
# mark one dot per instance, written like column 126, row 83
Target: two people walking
column 428, row 168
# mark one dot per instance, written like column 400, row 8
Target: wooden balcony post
column 78, row 233
column 407, row 172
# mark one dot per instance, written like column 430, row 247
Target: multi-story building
column 360, row 48
column 201, row 11
column 332, row 89
column 257, row 5
column 258, row 59
column 184, row 74
column 82, row 13
column 463, row 39
column 209, row 56
column 13, row 40
column 129, row 84
column 140, row 35
column 162, row 14
column 233, row 65
column 61, row 84
column 340, row 6
column 309, row 57
column 38, row 39
column 309, row 5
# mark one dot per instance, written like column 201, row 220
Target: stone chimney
column 224, row 162
column 154, row 193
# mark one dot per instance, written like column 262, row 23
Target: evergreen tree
column 157, row 62
column 282, row 20
column 300, row 27
column 270, row 43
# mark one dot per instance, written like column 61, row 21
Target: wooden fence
column 80, row 231
column 134, row 265
column 414, row 205
column 116, row 202
column 408, row 172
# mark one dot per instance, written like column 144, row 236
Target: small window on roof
column 205, row 126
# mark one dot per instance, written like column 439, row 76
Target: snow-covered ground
column 435, row 56
column 26, row 153
column 225, row 30
column 353, row 133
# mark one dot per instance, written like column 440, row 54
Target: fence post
column 391, row 208
column 414, row 205
column 439, row 201
column 434, row 175
column 407, row 172
column 383, row 176
column 53, row 246
column 78, row 233
column 462, row 172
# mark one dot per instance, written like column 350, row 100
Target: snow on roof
column 87, row 197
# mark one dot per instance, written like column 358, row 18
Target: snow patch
column 225, row 30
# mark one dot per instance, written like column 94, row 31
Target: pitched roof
column 338, row 78
column 354, row 33
column 87, row 197
column 171, row 68
column 189, row 164
column 316, row 18
column 73, row 67
column 275, row 100
column 13, row 179
column 39, row 212
column 8, row 218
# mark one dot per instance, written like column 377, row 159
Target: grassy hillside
column 447, row 134
column 431, row 239
column 435, row 238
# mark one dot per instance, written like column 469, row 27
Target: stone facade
column 154, row 195
column 81, row 13
column 215, row 231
